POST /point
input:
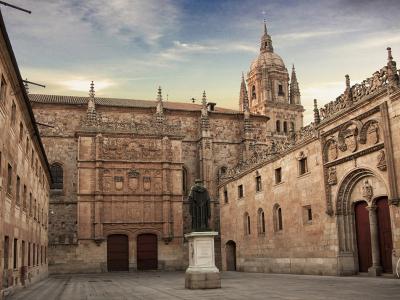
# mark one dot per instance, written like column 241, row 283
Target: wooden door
column 363, row 235
column 231, row 256
column 385, row 234
column 147, row 258
column 117, row 253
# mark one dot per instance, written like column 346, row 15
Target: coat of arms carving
column 119, row 182
column 133, row 179
column 146, row 183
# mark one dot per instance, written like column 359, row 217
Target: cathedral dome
column 270, row 59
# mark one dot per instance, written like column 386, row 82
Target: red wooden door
column 385, row 234
column 117, row 253
column 363, row 236
column 147, row 258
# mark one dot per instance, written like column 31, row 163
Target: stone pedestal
column 202, row 272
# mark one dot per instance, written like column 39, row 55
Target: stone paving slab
column 235, row 285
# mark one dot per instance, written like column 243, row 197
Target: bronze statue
column 199, row 206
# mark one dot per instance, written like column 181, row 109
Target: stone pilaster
column 376, row 268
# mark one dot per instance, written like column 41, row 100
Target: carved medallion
column 146, row 183
column 381, row 165
column 351, row 141
column 119, row 182
column 373, row 134
column 332, row 177
column 367, row 190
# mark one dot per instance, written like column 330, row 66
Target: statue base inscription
column 202, row 272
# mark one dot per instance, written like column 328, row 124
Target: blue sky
column 129, row 47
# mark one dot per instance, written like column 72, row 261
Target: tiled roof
column 76, row 100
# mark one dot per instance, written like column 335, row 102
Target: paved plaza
column 235, row 285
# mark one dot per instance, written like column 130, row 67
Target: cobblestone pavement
column 235, row 285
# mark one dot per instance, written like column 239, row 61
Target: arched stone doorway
column 147, row 253
column 230, row 253
column 361, row 206
column 117, row 253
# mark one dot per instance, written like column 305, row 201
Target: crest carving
column 119, row 182
column 146, row 183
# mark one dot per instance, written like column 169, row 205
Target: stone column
column 376, row 268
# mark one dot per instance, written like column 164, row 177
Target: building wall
column 24, row 192
column 352, row 158
column 85, row 197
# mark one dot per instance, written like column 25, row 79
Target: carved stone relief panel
column 381, row 165
column 367, row 190
column 332, row 176
column 331, row 150
column 132, row 149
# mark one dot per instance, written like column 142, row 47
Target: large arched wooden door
column 117, row 253
column 147, row 257
column 230, row 256
column 363, row 234
column 385, row 234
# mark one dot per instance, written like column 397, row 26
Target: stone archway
column 230, row 248
column 360, row 185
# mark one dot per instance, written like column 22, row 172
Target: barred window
column 57, row 175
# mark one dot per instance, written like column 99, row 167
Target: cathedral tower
column 270, row 91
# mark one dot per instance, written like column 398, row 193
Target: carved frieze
column 131, row 149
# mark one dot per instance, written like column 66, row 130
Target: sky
column 130, row 47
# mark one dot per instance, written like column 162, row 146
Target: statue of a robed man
column 199, row 206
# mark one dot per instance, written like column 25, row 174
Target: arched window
column 246, row 220
column 292, row 126
column 278, row 224
column 285, row 129
column 184, row 181
column 261, row 221
column 253, row 92
column 221, row 172
column 57, row 175
column 278, row 126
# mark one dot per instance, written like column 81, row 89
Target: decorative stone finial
column 389, row 50
column 91, row 91
column 265, row 26
column 347, row 81
column 159, row 107
column 204, row 100
column 294, row 89
column 317, row 118
column 26, row 86
column 159, row 94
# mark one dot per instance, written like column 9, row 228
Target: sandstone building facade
column 24, row 181
column 325, row 199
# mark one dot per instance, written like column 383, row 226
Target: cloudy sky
column 129, row 47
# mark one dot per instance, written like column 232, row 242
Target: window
column 41, row 255
column 3, row 89
column 258, row 183
column 226, row 200
column 292, row 126
column 184, row 181
column 34, row 209
column 278, row 126
column 247, row 229
column 6, row 251
column 23, row 253
column 27, row 147
column 30, row 204
column 24, row 198
column 280, row 90
column 37, row 255
column 18, row 191
column 32, row 157
column 9, row 180
column 13, row 113
column 29, row 255
column 56, row 171
column 278, row 175
column 307, row 215
column 261, row 221
column 240, row 191
column 34, row 254
column 15, row 258
column 253, row 92
column 21, row 131
column 285, row 128
column 278, row 218
column 303, row 166
column 222, row 173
